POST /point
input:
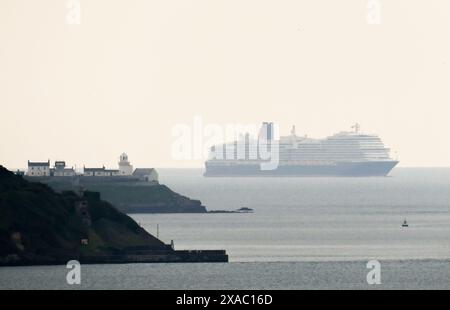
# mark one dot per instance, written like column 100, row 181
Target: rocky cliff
column 128, row 197
column 41, row 226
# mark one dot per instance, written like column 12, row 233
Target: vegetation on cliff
column 39, row 225
column 146, row 199
column 132, row 197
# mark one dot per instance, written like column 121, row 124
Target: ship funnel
column 267, row 131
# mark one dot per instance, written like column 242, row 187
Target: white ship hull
column 342, row 169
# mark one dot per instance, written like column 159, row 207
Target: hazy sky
column 132, row 70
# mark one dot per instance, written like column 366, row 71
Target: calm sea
column 304, row 233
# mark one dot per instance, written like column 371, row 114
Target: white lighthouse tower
column 125, row 168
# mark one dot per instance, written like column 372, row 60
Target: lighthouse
column 125, row 168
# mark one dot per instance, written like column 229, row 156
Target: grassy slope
column 136, row 197
column 49, row 225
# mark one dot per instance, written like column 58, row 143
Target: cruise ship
column 347, row 153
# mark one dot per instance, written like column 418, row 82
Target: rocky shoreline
column 152, row 256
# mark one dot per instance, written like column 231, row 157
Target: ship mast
column 357, row 127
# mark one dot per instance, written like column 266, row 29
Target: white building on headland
column 146, row 174
column 100, row 172
column 38, row 169
column 125, row 168
column 60, row 170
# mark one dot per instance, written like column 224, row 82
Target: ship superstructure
column 348, row 153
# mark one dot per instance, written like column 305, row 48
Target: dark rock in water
column 41, row 226
column 241, row 210
column 245, row 210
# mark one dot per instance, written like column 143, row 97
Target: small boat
column 405, row 224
